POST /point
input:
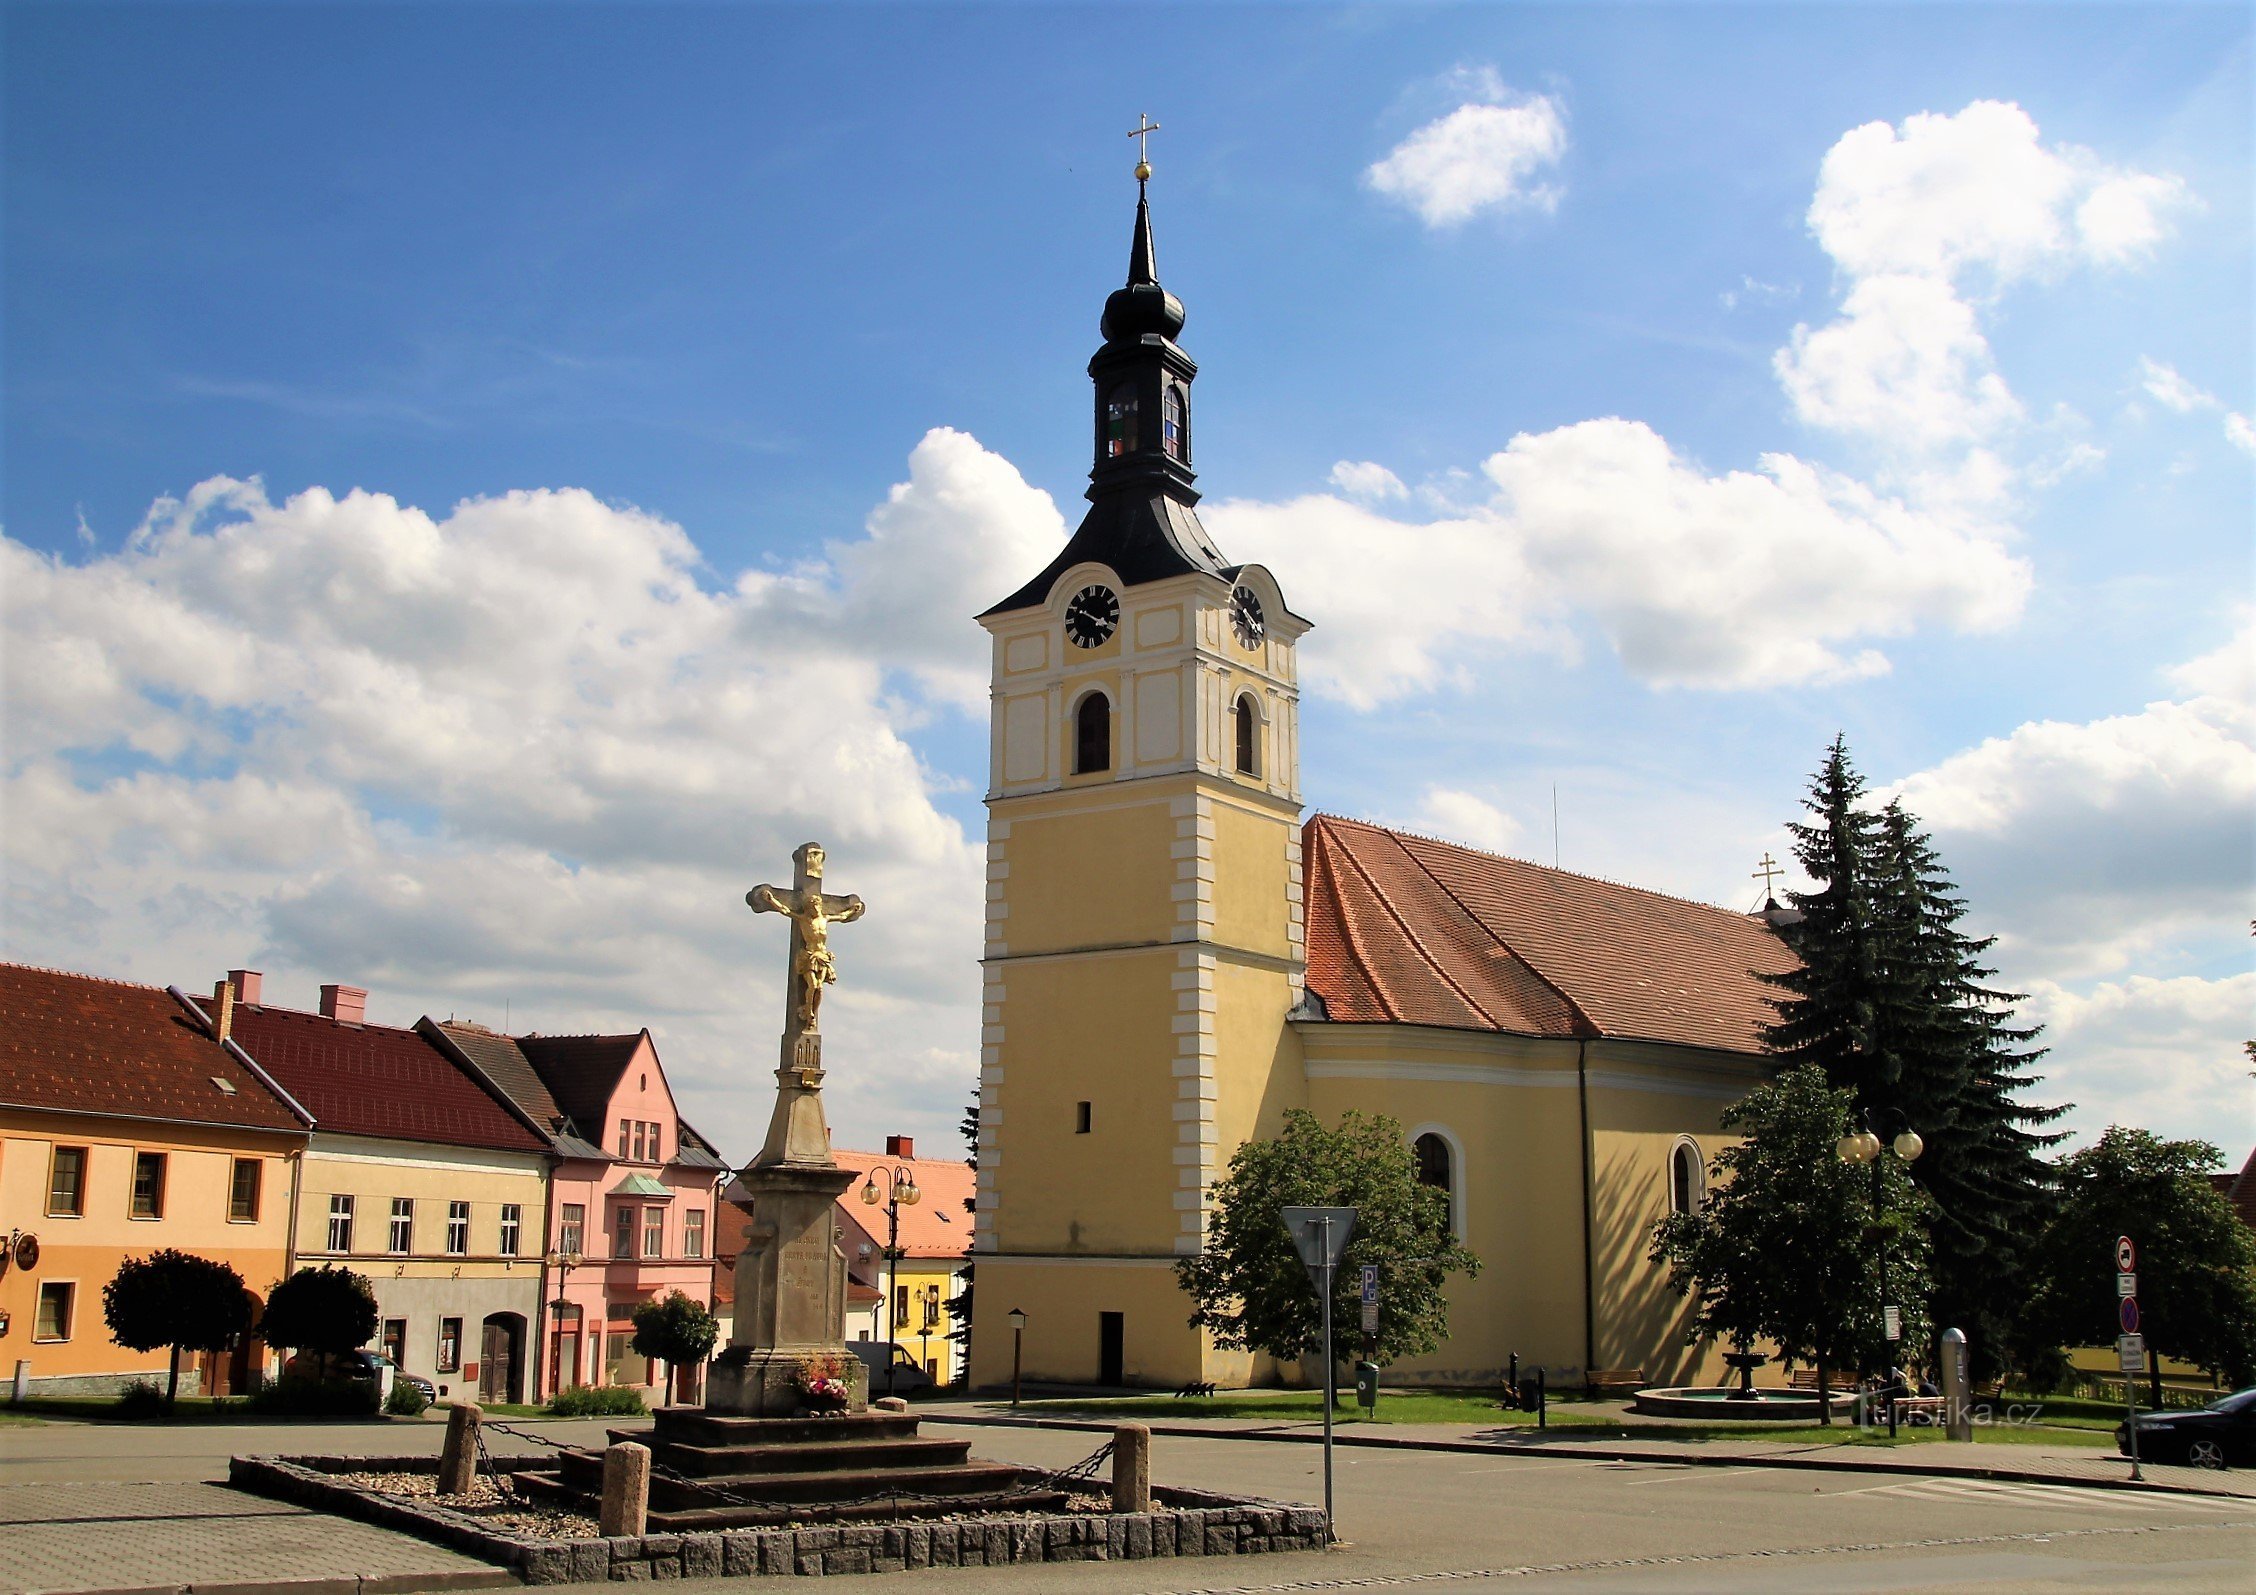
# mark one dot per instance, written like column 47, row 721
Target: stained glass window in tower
column 1120, row 421
column 1174, row 422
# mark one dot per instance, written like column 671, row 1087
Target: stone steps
column 740, row 1461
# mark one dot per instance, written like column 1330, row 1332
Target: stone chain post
column 626, row 1489
column 458, row 1459
column 1131, row 1468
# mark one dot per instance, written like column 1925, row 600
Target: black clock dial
column 1092, row 616
column 1245, row 616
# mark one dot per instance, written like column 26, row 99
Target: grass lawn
column 1587, row 1419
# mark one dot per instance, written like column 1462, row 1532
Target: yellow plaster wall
column 1251, row 877
column 1062, row 1303
column 373, row 1173
column 1085, row 877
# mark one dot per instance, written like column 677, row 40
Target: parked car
column 909, row 1377
column 399, row 1375
column 343, row 1367
column 2215, row 1436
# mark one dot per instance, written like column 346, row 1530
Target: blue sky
column 1872, row 369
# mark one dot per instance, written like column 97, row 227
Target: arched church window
column 1120, row 421
column 1175, row 422
column 1249, row 737
column 1092, row 735
column 1688, row 1178
column 1436, row 1159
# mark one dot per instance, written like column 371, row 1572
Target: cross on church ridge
column 1142, row 132
column 1768, row 874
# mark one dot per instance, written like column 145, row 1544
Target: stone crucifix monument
column 791, row 1277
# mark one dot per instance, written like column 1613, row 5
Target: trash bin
column 1367, row 1387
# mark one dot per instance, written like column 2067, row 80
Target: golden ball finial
column 1143, row 171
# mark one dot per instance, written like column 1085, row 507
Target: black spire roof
column 1140, row 521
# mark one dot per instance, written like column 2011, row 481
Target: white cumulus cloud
column 530, row 752
column 1478, row 157
column 1460, row 816
column 1364, row 479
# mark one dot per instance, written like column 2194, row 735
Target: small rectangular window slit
column 1080, row 1118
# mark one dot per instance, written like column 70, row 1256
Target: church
column 1176, row 955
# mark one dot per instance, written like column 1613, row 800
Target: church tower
column 1144, row 917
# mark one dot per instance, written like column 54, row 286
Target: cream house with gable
column 1174, row 959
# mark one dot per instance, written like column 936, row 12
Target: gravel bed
column 484, row 1503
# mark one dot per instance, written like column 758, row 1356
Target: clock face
column 1245, row 616
column 1092, row 616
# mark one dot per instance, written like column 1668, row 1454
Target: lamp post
column 563, row 1263
column 1865, row 1146
column 1018, row 1344
column 900, row 1190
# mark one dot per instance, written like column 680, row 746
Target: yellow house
column 126, row 1128
column 915, row 1286
column 420, row 1178
column 1173, row 959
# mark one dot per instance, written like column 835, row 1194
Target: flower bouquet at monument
column 822, row 1383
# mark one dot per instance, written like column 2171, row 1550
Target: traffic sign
column 2126, row 1285
column 1892, row 1322
column 2127, row 1313
column 1370, row 1318
column 1370, row 1284
column 2130, row 1353
column 1320, row 1233
column 2126, row 1255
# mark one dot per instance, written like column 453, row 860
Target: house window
column 1092, row 735
column 1174, row 434
column 693, row 1233
column 55, row 1302
column 148, row 1184
column 622, row 1233
column 1688, row 1183
column 458, row 1229
column 626, row 1134
column 394, row 1341
column 340, row 1223
column 571, row 1228
column 512, row 1228
column 401, row 1240
column 900, row 1303
column 1120, row 421
column 66, row 1182
column 657, row 1144
column 450, row 1345
column 641, row 1141
column 653, row 1232
column 1080, row 1118
column 243, row 1190
column 1249, row 738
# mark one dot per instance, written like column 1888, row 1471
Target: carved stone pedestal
column 790, row 1296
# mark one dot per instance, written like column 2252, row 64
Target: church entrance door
column 1112, row 1336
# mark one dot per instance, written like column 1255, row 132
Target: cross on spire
column 1142, row 133
column 1768, row 875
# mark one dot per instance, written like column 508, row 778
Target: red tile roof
column 1406, row 930
column 2240, row 1190
column 375, row 1080
column 82, row 1045
column 939, row 1225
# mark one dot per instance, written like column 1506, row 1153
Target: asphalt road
column 1473, row 1522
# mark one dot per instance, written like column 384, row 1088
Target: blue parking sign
column 1370, row 1284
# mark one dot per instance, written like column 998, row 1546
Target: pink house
column 631, row 1200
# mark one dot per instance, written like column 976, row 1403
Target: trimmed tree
column 1248, row 1285
column 2196, row 1261
column 176, row 1300
column 327, row 1311
column 1788, row 1243
column 676, row 1329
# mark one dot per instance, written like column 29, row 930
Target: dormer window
column 1175, row 422
column 1120, row 421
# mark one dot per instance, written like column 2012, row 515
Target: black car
column 2215, row 1436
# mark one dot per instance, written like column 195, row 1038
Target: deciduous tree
column 678, row 1330
column 327, row 1311
column 176, row 1300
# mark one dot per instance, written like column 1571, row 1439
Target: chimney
column 223, row 1010
column 345, row 1004
column 246, row 983
column 901, row 1146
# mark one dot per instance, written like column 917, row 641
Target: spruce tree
column 1828, row 1016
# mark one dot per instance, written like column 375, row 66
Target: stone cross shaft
column 798, row 1134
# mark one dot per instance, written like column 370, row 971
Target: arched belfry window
column 1120, row 421
column 1688, row 1178
column 1249, row 736
column 1175, row 422
column 1092, row 735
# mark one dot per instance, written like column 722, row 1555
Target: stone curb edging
column 2003, row 1474
column 1202, row 1524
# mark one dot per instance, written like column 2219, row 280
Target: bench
column 1921, row 1410
column 1612, row 1381
column 1806, row 1379
column 1195, row 1389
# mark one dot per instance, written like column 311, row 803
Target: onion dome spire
column 1143, row 308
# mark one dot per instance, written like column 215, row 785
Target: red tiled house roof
column 1402, row 929
column 76, row 1044
column 374, row 1080
column 581, row 1073
column 2240, row 1190
column 939, row 1225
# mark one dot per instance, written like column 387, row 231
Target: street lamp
column 900, row 1191
column 1863, row 1145
column 1018, row 1344
column 563, row 1262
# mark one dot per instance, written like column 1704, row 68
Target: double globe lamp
column 901, row 1188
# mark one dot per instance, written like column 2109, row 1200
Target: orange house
column 126, row 1128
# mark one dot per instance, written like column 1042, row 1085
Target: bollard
column 1131, row 1468
column 23, row 1380
column 1958, row 1420
column 458, row 1459
column 626, row 1489
column 894, row 1404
